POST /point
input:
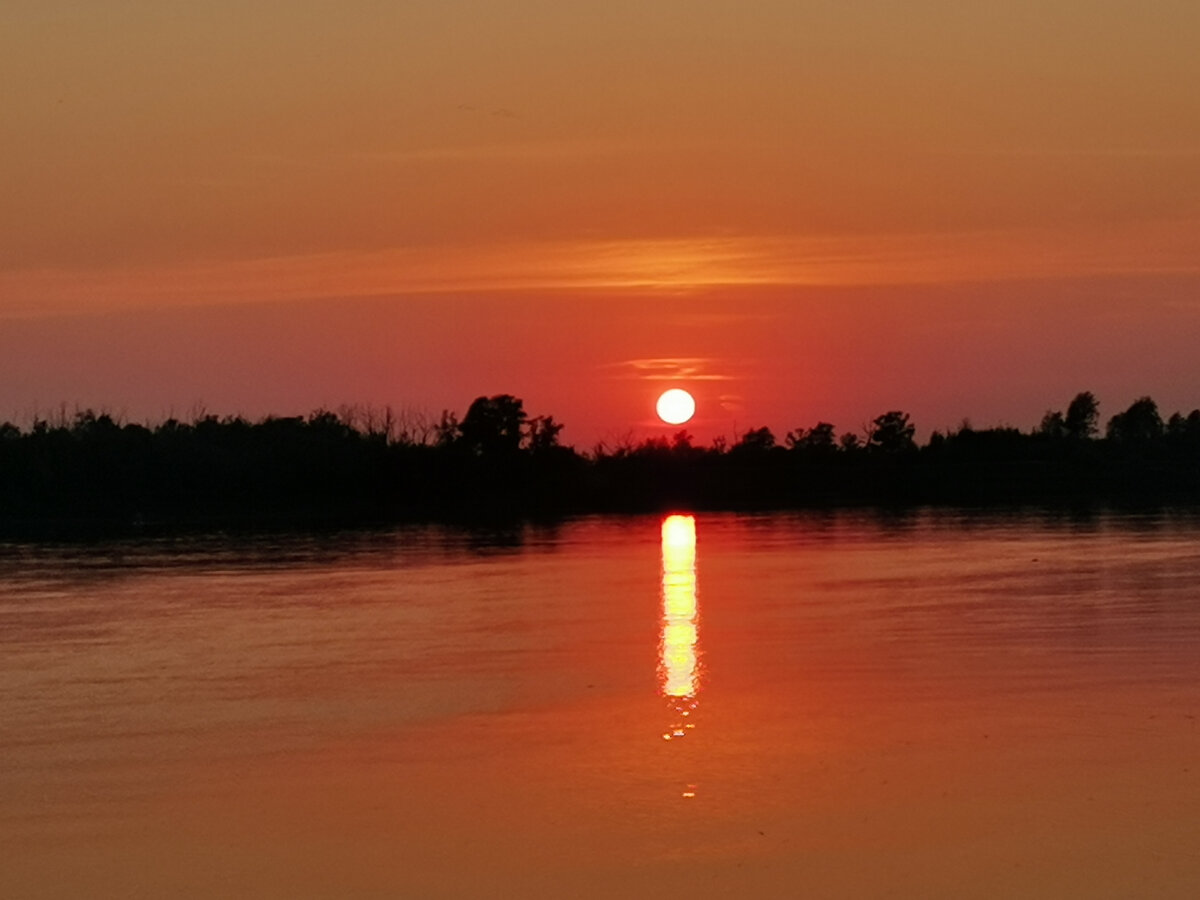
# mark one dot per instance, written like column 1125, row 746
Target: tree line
column 358, row 465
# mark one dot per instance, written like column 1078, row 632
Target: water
column 824, row 705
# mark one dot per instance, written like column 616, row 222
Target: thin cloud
column 505, row 151
column 732, row 403
column 1162, row 248
column 500, row 112
column 670, row 368
column 1098, row 152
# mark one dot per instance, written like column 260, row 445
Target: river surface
column 932, row 704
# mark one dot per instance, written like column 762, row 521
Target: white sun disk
column 675, row 406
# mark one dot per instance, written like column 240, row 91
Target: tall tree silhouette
column 1140, row 423
column 893, row 433
column 1053, row 425
column 1082, row 416
column 493, row 426
column 543, row 433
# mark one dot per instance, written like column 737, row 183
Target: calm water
column 927, row 705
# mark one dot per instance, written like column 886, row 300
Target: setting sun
column 675, row 406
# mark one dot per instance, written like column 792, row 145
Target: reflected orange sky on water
column 914, row 706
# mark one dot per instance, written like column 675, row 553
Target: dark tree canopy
column 1140, row 423
column 1180, row 426
column 681, row 442
column 817, row 441
column 1053, row 425
column 543, row 433
column 756, row 440
column 493, row 426
column 446, row 430
column 893, row 433
column 1082, row 417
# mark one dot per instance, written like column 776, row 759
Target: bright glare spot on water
column 680, row 635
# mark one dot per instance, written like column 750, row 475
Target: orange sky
column 826, row 210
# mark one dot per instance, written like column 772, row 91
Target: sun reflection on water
column 678, row 660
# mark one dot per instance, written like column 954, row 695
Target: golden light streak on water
column 679, row 667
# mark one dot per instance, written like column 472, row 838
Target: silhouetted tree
column 1140, row 423
column 990, row 445
column 1181, row 427
column 1053, row 426
column 657, row 447
column 1184, row 432
column 87, row 424
column 756, row 440
column 446, row 430
column 543, row 434
column 682, row 442
column 892, row 433
column 1082, row 417
column 816, row 441
column 493, row 425
column 937, row 442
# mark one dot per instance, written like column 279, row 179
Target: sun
column 675, row 406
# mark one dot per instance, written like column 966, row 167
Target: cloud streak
column 671, row 265
column 671, row 368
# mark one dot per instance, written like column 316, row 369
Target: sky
column 800, row 211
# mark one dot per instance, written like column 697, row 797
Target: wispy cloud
column 732, row 403
column 622, row 266
column 672, row 368
column 498, row 151
column 499, row 112
column 1129, row 151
